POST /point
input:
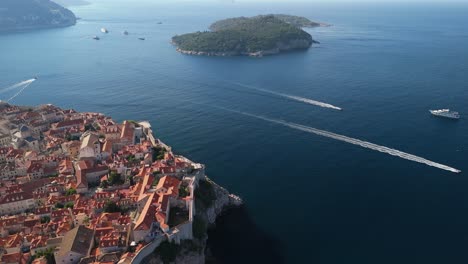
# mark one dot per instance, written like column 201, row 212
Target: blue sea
column 309, row 199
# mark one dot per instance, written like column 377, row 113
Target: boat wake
column 292, row 97
column 23, row 85
column 357, row 142
column 14, row 86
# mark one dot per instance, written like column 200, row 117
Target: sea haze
column 309, row 199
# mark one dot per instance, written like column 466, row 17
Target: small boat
column 104, row 30
column 125, row 32
column 96, row 38
column 445, row 113
column 35, row 78
column 141, row 38
column 159, row 23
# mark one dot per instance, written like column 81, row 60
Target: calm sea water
column 309, row 199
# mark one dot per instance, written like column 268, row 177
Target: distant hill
column 17, row 15
column 67, row 3
column 296, row 21
column 255, row 36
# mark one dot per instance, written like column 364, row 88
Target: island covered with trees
column 255, row 36
column 19, row 15
column 297, row 21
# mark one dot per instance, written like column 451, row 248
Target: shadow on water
column 237, row 239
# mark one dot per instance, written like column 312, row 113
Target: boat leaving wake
column 23, row 85
column 361, row 143
column 14, row 86
column 292, row 97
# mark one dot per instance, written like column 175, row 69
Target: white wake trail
column 22, row 89
column 14, row 86
column 354, row 141
column 293, row 97
column 310, row 101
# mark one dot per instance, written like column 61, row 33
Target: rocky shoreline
column 293, row 45
column 37, row 27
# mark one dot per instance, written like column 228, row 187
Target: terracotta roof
column 102, row 231
column 11, row 258
column 60, row 213
column 31, row 222
column 68, row 123
column 14, row 197
column 34, row 167
column 43, row 210
column 147, row 216
column 107, row 146
column 109, row 242
column 4, row 151
column 127, row 130
column 110, row 216
column 169, row 183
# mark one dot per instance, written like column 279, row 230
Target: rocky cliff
column 193, row 252
column 223, row 201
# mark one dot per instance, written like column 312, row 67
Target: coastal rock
column 223, row 201
column 297, row 44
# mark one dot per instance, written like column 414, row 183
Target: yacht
column 104, row 30
column 445, row 113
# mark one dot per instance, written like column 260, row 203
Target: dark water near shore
column 225, row 240
column 309, row 199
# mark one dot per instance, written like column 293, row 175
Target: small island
column 21, row 15
column 255, row 36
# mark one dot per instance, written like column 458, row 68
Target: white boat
column 104, row 30
column 445, row 113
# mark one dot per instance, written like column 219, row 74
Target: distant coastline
column 68, row 3
column 33, row 28
column 26, row 15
